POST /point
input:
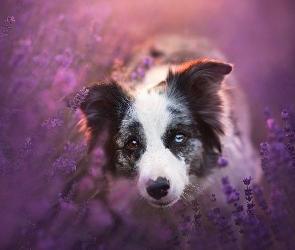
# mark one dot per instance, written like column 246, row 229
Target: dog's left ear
column 104, row 106
column 198, row 84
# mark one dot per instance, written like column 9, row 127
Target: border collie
column 167, row 132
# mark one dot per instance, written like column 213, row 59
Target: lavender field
column 50, row 49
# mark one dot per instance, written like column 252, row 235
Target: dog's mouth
column 162, row 204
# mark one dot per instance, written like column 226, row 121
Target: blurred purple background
column 55, row 47
column 257, row 37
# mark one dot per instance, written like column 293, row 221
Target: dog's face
column 161, row 135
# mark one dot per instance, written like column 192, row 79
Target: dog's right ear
column 198, row 83
column 105, row 105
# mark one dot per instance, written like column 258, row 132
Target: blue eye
column 179, row 138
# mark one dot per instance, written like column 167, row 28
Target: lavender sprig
column 140, row 72
column 6, row 26
column 225, row 232
column 79, row 98
column 231, row 194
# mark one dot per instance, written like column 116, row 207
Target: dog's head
column 161, row 135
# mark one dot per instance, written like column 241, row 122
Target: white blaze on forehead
column 151, row 111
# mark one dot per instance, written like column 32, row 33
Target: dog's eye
column 179, row 138
column 133, row 144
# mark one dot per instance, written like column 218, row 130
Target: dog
column 163, row 135
column 168, row 132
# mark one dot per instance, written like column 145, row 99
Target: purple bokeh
column 50, row 49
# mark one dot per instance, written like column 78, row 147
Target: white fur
column 150, row 109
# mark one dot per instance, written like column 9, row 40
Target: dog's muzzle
column 158, row 188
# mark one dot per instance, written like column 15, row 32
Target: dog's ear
column 105, row 105
column 198, row 84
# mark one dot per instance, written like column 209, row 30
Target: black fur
column 196, row 84
column 104, row 108
column 126, row 158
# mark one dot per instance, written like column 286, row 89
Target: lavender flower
column 225, row 232
column 277, row 161
column 230, row 192
column 140, row 72
column 6, row 26
column 64, row 165
column 256, row 234
column 197, row 215
column 290, row 135
column 247, row 181
column 171, row 239
column 66, row 58
column 79, row 98
column 249, row 196
column 69, row 146
column 222, row 162
column 47, row 210
column 147, row 62
column 213, row 199
column 64, row 203
column 285, row 115
column 238, row 215
column 52, row 123
column 258, row 192
column 185, row 225
column 42, row 59
column 133, row 75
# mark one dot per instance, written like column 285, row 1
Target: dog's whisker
column 188, row 198
column 197, row 187
column 194, row 189
column 183, row 200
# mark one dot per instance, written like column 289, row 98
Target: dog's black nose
column 158, row 188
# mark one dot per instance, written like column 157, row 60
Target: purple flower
column 141, row 71
column 222, row 162
column 6, row 26
column 79, row 98
column 147, row 62
column 247, row 181
column 213, row 199
column 63, row 203
column 133, row 75
column 238, row 215
column 225, row 232
column 285, row 115
column 230, row 192
column 290, row 148
column 197, row 214
column 267, row 113
column 69, row 146
column 52, row 123
column 271, row 124
column 264, row 148
column 248, row 193
column 239, row 208
column 77, row 213
column 66, row 58
column 258, row 192
column 185, row 225
column 64, row 165
column 249, row 196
